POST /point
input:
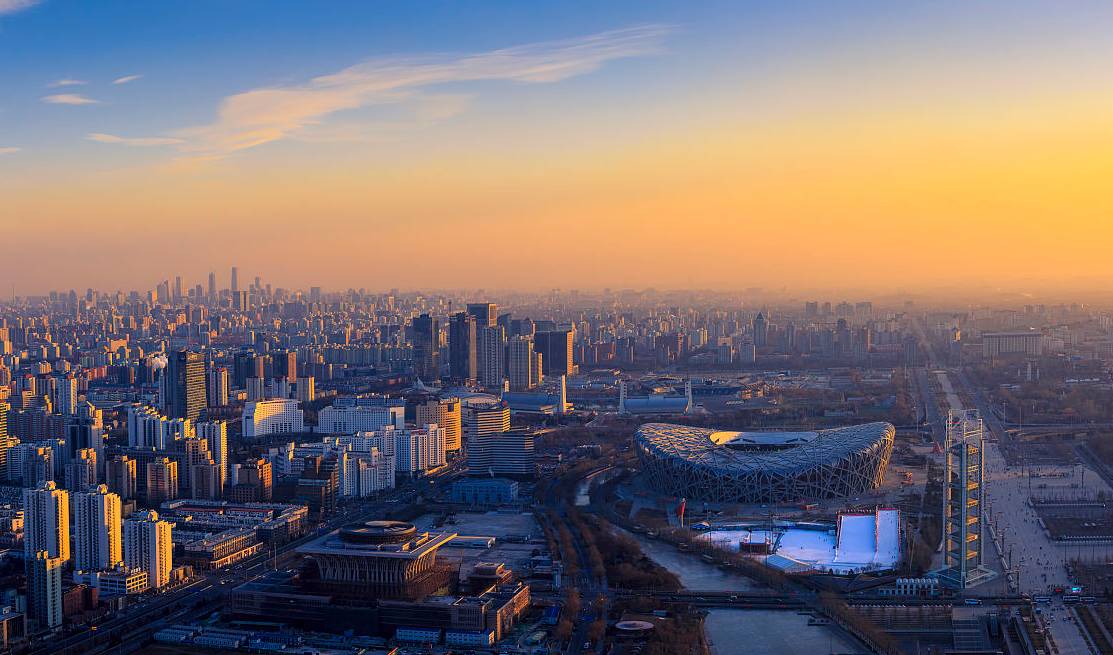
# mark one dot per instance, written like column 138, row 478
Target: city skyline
column 724, row 145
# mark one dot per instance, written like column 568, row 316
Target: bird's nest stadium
column 764, row 467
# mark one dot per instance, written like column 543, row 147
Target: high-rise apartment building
column 216, row 434
column 147, row 546
column 65, row 394
column 97, row 535
column 522, row 363
column 218, row 387
column 462, row 343
column 162, row 481
column 491, row 355
column 81, row 472
column 121, row 477
column 258, row 474
column 44, row 590
column 184, row 385
column 46, row 521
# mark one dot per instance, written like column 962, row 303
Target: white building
column 147, row 546
column 147, row 427
column 360, row 418
column 97, row 536
column 216, row 434
column 275, row 416
column 419, row 450
column 46, row 521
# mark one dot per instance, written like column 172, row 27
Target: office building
column 275, row 416
column 349, row 419
column 444, row 412
column 147, row 546
column 235, row 279
column 426, row 346
column 485, row 313
column 502, row 453
column 183, row 385
column 285, row 365
column 97, row 535
column 462, row 344
column 485, row 418
column 555, row 347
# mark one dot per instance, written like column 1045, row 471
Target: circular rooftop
column 377, row 532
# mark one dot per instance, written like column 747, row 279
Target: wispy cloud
column 66, row 81
column 125, row 79
column 12, row 6
column 69, row 99
column 268, row 114
column 9, row 150
column 101, row 137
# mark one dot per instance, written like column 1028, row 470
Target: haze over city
column 534, row 145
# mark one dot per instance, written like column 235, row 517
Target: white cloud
column 267, row 114
column 9, row 150
column 125, row 79
column 69, row 99
column 12, row 6
column 66, row 81
column 100, row 137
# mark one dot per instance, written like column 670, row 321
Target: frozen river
column 748, row 632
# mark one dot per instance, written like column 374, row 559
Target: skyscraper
column 147, row 546
column 212, row 286
column 491, row 355
column 520, row 363
column 426, row 336
column 555, row 347
column 96, row 530
column 235, row 279
column 462, row 347
column 485, row 313
column 184, row 385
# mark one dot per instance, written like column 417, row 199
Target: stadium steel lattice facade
column 764, row 467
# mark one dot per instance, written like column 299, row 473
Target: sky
column 531, row 145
